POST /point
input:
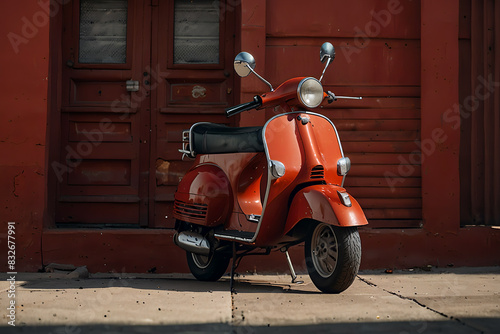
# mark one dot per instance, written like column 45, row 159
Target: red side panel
column 204, row 196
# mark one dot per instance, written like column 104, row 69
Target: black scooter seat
column 209, row 138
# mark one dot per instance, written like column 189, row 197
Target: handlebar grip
column 257, row 102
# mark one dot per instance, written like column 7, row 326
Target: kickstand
column 292, row 271
column 233, row 268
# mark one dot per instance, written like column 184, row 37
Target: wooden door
column 136, row 74
column 193, row 51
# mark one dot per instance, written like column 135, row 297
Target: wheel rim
column 201, row 261
column 324, row 250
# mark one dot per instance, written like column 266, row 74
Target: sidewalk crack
column 238, row 318
column 233, row 315
column 420, row 304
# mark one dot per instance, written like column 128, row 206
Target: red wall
column 24, row 67
column 416, row 55
column 441, row 240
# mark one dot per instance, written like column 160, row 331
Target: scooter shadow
column 249, row 285
column 185, row 283
column 179, row 284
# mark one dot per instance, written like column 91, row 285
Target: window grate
column 103, row 32
column 196, row 32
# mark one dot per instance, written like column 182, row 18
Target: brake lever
column 332, row 97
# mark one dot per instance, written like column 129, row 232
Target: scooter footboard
column 325, row 203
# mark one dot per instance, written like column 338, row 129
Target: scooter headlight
column 310, row 92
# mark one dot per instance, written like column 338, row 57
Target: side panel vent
column 196, row 212
column 318, row 172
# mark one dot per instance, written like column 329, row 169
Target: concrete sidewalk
column 463, row 300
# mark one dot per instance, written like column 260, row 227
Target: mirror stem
column 324, row 70
column 261, row 78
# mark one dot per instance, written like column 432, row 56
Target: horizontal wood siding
column 377, row 57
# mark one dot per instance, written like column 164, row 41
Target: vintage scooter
column 256, row 189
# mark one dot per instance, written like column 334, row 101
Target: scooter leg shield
column 325, row 203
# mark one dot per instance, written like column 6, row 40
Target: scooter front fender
column 322, row 203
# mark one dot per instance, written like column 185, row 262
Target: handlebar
column 257, row 102
column 332, row 97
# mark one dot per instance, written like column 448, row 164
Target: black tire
column 207, row 268
column 333, row 255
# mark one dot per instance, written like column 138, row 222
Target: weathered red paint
column 377, row 57
column 24, row 66
column 479, row 119
column 115, row 251
column 439, row 92
column 405, row 92
column 252, row 38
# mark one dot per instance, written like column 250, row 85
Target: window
column 103, row 32
column 196, row 32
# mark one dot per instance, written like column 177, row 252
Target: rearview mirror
column 327, row 51
column 244, row 63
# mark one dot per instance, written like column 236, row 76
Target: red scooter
column 256, row 189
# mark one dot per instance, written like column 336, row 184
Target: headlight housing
column 310, row 92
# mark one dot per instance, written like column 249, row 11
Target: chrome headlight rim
column 318, row 95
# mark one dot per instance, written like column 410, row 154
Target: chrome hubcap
column 324, row 250
column 201, row 261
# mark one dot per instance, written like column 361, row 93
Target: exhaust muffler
column 192, row 242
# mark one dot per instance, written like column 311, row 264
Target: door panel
column 105, row 128
column 194, row 53
column 119, row 161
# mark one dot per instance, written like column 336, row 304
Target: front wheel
column 207, row 268
column 333, row 255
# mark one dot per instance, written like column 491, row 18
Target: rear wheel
column 333, row 255
column 207, row 268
